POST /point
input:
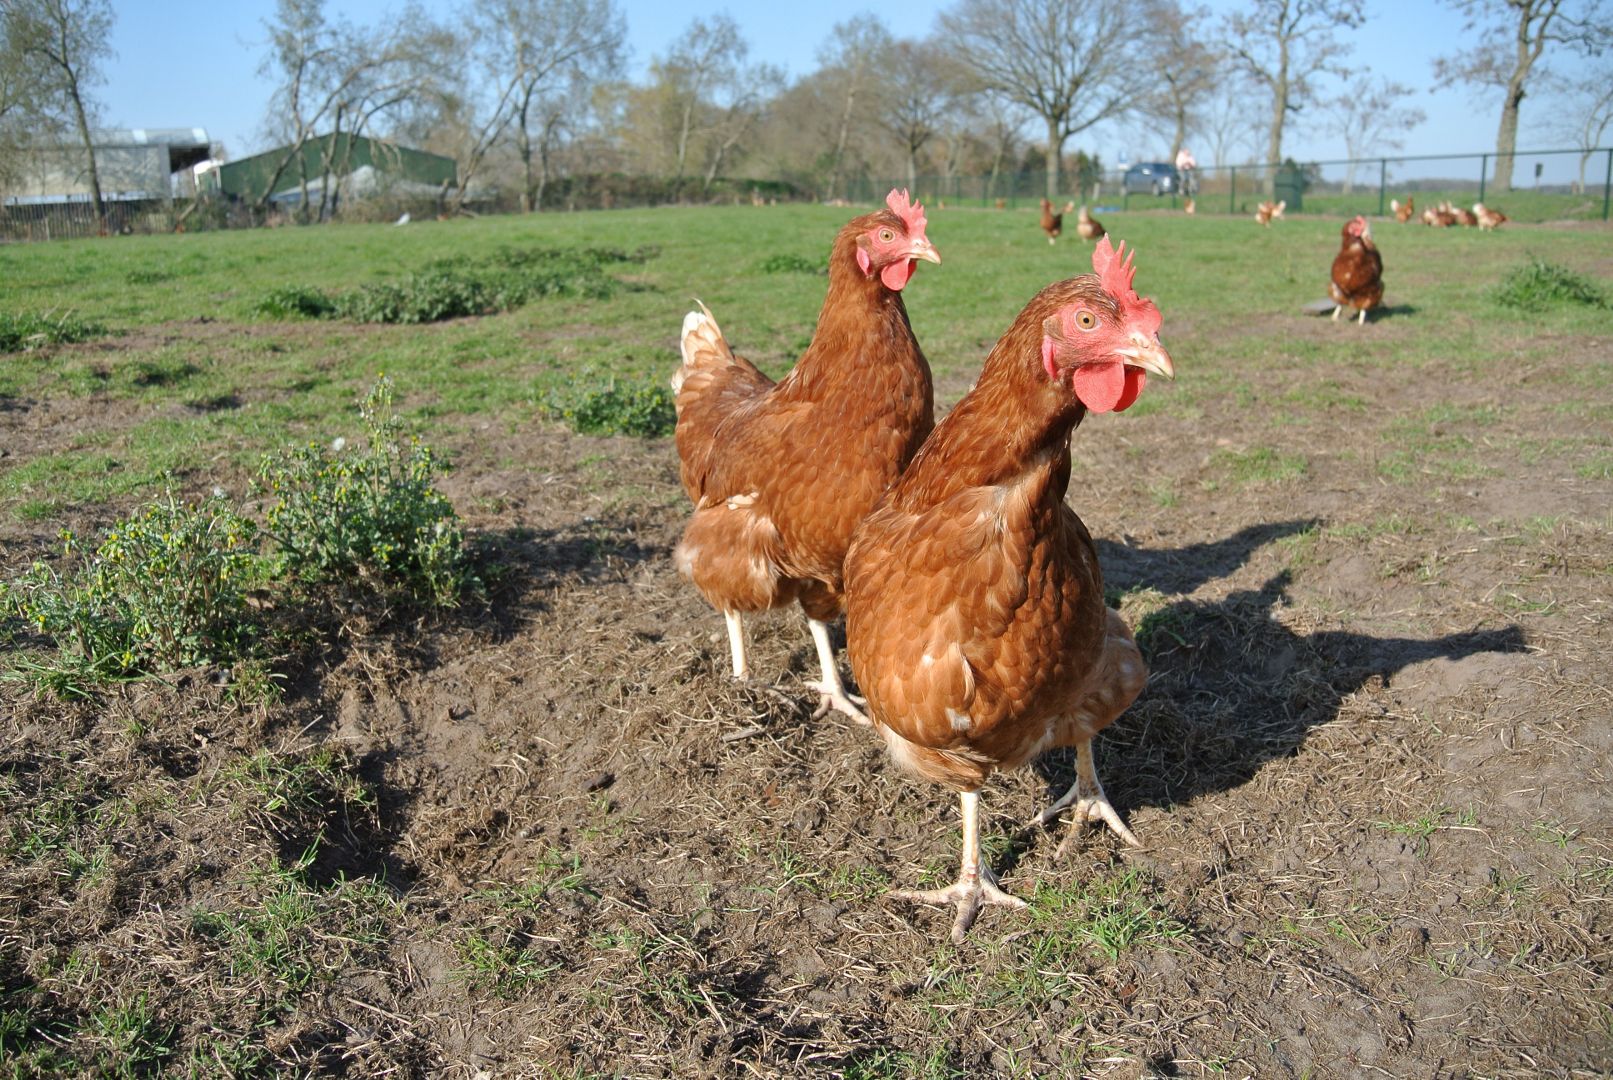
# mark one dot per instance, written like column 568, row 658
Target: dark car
column 1154, row 177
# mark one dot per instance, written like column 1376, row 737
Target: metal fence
column 1547, row 185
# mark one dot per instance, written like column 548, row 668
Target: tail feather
column 703, row 346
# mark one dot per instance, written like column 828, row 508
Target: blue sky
column 186, row 63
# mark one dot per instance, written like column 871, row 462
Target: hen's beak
column 923, row 249
column 1147, row 353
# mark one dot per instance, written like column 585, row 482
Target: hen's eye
column 886, row 236
column 1086, row 320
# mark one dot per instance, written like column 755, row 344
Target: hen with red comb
column 780, row 473
column 975, row 619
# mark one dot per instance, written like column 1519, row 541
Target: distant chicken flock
column 972, row 596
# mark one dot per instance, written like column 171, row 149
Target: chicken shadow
column 1185, row 569
column 1233, row 688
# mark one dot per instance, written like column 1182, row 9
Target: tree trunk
column 1506, row 137
column 912, row 170
column 683, row 131
column 1274, row 140
column 89, row 155
column 523, row 148
column 840, row 145
column 1181, row 133
column 1055, row 152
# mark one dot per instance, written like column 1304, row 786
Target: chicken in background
column 1440, row 217
column 1462, row 215
column 1357, row 280
column 975, row 619
column 1488, row 219
column 781, row 473
column 1267, row 212
column 1088, row 227
column 1053, row 224
column 1403, row 210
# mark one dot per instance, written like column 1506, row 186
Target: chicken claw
column 832, row 690
column 833, row 696
column 971, row 892
column 1091, row 804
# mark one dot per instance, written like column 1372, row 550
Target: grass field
column 542, row 834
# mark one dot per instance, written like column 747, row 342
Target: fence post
column 1383, row 182
column 1484, row 167
column 1607, row 183
column 1232, row 196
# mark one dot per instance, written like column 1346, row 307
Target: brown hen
column 975, row 619
column 1357, row 278
column 781, row 473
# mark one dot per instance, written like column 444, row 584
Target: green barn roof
column 248, row 177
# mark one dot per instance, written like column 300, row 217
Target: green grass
column 213, row 399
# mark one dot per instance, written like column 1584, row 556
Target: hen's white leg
column 1363, row 320
column 1091, row 804
column 976, row 886
column 833, row 691
column 1338, row 309
column 736, row 644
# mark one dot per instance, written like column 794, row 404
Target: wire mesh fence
column 1548, row 185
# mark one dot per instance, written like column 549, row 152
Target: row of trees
column 520, row 92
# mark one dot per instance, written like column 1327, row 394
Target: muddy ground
column 548, row 836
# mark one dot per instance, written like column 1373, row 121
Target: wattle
column 898, row 274
column 1108, row 387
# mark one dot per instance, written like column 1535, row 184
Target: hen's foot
column 834, row 697
column 970, row 893
column 1091, row 804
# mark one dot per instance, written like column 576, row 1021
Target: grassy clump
column 458, row 287
column 1538, row 282
column 640, row 408
column 791, row 264
column 167, row 588
column 27, row 331
column 295, row 302
column 366, row 514
column 163, row 590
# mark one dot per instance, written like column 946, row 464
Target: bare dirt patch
column 548, row 835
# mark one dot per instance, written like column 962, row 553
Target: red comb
column 1115, row 271
column 911, row 213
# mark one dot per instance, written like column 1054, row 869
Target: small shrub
column 1538, row 283
column 28, row 331
column 644, row 409
column 791, row 264
column 367, row 513
column 296, row 302
column 163, row 590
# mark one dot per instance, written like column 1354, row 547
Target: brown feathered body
column 1052, row 224
column 1403, row 210
column 781, row 473
column 975, row 617
column 1087, row 226
column 1487, row 218
column 1464, row 216
column 1267, row 212
column 1357, row 279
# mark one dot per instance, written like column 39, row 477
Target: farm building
column 359, row 166
column 135, row 165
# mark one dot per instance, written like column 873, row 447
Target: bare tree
column 737, row 106
column 709, row 55
column 1282, row 45
column 1073, row 63
column 916, row 93
column 1583, row 113
column 339, row 78
column 850, row 57
column 1185, row 65
column 1512, row 37
column 1234, row 131
column 548, row 51
column 61, row 44
column 1369, row 116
